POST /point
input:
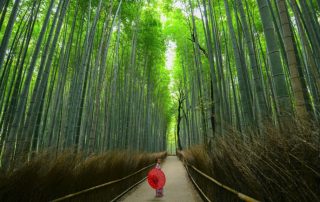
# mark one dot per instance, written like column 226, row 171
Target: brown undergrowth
column 47, row 178
column 272, row 166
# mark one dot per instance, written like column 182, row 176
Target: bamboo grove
column 90, row 76
column 82, row 76
column 244, row 65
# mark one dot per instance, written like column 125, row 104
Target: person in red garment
column 159, row 192
column 157, row 179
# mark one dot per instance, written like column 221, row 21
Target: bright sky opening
column 170, row 54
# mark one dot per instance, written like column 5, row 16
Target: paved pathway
column 178, row 187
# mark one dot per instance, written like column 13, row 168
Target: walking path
column 178, row 187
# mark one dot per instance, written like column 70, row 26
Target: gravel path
column 178, row 187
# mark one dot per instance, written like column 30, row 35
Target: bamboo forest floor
column 178, row 187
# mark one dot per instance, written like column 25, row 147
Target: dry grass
column 47, row 178
column 273, row 166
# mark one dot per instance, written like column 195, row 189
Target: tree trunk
column 299, row 90
column 284, row 107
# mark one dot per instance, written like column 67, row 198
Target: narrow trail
column 178, row 187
